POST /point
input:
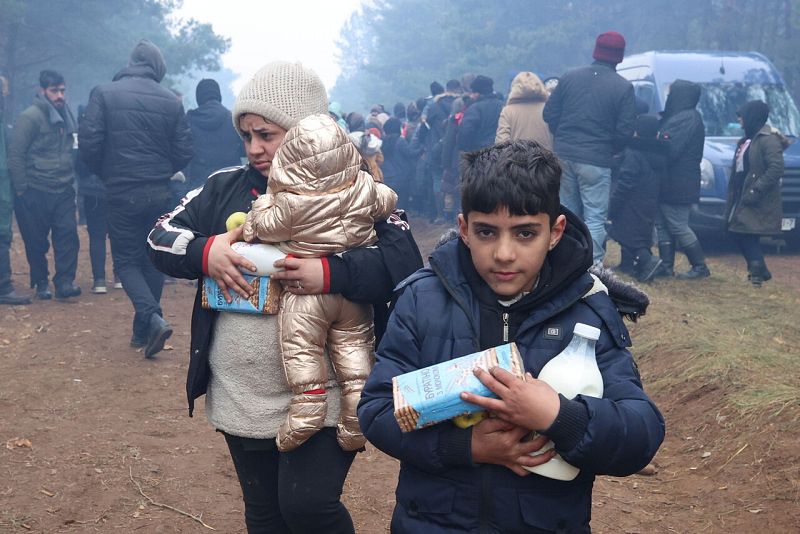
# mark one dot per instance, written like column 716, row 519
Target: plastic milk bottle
column 263, row 255
column 573, row 372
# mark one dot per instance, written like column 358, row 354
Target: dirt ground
column 94, row 438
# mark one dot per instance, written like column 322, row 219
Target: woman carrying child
column 235, row 357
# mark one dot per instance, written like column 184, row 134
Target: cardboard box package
column 433, row 394
column 265, row 299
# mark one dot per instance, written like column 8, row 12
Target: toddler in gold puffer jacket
column 320, row 202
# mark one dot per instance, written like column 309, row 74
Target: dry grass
column 724, row 334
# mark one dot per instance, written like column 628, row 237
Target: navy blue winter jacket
column 438, row 317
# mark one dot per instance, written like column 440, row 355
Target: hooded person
column 682, row 129
column 634, row 199
column 335, row 111
column 521, row 117
column 754, row 205
column 135, row 137
column 236, row 359
column 216, row 143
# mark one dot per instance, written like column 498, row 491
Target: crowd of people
column 535, row 184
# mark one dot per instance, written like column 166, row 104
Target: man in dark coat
column 479, row 125
column 591, row 113
column 682, row 128
column 216, row 143
column 40, row 163
column 135, row 137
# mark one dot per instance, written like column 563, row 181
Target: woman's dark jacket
column 682, row 127
column 179, row 243
column 444, row 313
column 634, row 196
column 754, row 195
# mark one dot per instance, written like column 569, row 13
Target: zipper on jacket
column 505, row 326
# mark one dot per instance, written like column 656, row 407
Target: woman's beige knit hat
column 283, row 93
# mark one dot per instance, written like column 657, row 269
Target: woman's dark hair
column 49, row 78
column 520, row 175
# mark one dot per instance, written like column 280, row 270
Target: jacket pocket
column 553, row 511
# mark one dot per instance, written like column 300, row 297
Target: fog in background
column 368, row 51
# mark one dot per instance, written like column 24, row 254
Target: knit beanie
column 609, row 47
column 207, row 89
column 282, row 93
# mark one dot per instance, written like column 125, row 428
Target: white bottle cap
column 589, row 332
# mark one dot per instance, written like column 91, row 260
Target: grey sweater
column 248, row 395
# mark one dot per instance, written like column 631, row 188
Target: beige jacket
column 319, row 200
column 521, row 118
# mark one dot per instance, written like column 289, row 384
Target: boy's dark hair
column 436, row 88
column 49, row 78
column 522, row 176
column 453, row 86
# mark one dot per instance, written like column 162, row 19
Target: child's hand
column 495, row 441
column 224, row 263
column 528, row 403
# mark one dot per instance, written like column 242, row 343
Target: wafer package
column 433, row 394
column 265, row 299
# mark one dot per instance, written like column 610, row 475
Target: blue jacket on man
column 442, row 314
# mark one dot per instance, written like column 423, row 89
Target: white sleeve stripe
column 172, row 239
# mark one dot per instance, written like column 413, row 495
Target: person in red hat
column 591, row 114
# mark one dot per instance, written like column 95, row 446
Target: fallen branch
column 732, row 457
column 199, row 518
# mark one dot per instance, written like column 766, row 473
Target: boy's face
column 508, row 250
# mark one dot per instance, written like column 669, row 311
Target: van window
column 720, row 101
column 646, row 92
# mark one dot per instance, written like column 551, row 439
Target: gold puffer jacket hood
column 319, row 201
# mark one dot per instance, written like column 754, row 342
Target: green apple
column 235, row 220
column 468, row 419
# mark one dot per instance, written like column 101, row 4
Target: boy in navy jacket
column 517, row 273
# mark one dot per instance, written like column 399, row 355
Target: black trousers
column 293, row 492
column 749, row 245
column 41, row 215
column 94, row 208
column 130, row 219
